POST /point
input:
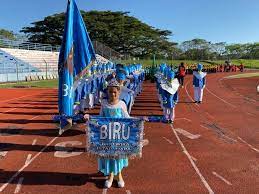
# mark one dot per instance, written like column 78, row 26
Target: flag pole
column 76, row 53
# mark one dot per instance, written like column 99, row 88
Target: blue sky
column 231, row 21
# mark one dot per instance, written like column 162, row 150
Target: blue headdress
column 170, row 75
column 120, row 75
column 199, row 66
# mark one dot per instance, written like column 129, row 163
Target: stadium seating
column 41, row 60
column 10, row 64
column 31, row 64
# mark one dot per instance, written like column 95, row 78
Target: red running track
column 212, row 147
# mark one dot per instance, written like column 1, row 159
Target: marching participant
column 170, row 96
column 199, row 82
column 125, row 94
column 115, row 108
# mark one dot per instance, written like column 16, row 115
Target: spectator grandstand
column 20, row 61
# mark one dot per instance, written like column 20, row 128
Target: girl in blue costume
column 170, row 96
column 199, row 82
column 116, row 108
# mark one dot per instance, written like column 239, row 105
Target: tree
column 48, row 31
column 197, row 49
column 118, row 30
column 218, row 48
column 235, row 51
column 7, row 34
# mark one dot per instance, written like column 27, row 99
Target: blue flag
column 75, row 55
column 115, row 137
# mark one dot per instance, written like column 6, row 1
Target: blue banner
column 75, row 55
column 115, row 137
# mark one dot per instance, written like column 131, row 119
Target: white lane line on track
column 189, row 94
column 229, row 138
column 187, row 134
column 12, row 109
column 209, row 115
column 19, row 185
column 191, row 156
column 104, row 191
column 203, row 180
column 169, row 141
column 204, row 127
column 3, row 154
column 128, row 192
column 222, row 134
column 183, row 119
column 220, row 98
column 30, row 155
column 17, row 108
column 17, row 98
column 222, row 178
column 253, row 148
column 39, row 115
column 28, row 159
column 250, row 114
column 2, row 188
column 34, row 142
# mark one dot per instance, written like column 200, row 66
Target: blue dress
column 119, row 110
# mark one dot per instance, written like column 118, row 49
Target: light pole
column 166, row 55
column 46, row 68
column 16, row 64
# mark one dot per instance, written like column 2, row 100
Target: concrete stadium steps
column 38, row 59
column 35, row 58
column 8, row 63
column 31, row 64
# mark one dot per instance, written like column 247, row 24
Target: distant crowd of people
column 227, row 67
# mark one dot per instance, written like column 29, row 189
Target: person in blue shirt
column 199, row 82
column 170, row 96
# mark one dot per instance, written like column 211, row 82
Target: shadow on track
column 55, row 178
column 38, row 132
column 38, row 148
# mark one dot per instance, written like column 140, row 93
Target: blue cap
column 199, row 66
column 162, row 67
column 120, row 75
column 170, row 75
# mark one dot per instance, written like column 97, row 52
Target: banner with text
column 115, row 137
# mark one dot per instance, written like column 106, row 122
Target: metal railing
column 16, row 44
column 100, row 48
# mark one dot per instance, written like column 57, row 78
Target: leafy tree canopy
column 7, row 34
column 118, row 30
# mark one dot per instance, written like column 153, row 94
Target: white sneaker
column 67, row 127
column 108, row 184
column 145, row 142
column 60, row 131
column 121, row 184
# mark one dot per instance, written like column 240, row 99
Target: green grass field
column 249, row 63
column 32, row 84
column 149, row 62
